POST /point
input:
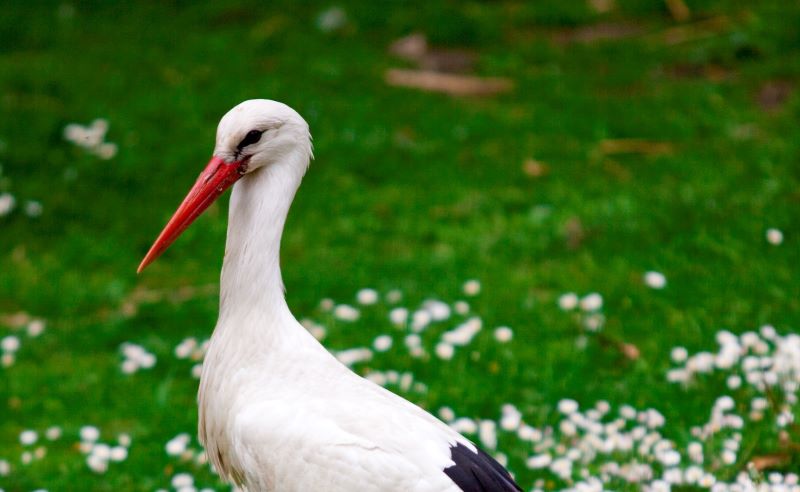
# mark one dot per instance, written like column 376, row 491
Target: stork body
column 277, row 411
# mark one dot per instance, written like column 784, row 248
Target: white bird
column 276, row 410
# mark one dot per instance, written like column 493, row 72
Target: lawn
column 630, row 142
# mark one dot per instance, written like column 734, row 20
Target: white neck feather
column 251, row 287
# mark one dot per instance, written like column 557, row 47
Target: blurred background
column 594, row 189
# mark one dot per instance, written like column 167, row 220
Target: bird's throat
column 251, row 283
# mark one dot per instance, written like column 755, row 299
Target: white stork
column 276, row 410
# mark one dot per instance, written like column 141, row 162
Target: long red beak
column 217, row 177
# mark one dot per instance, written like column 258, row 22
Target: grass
column 409, row 190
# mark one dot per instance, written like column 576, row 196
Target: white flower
column 562, row 467
column 36, row 328
column 124, row 440
column 28, row 437
column 413, row 340
column 539, row 461
column 702, row 362
column 10, row 343
column 568, row 301
column 447, row 414
column 444, row 351
column 398, row 316
column 332, row 19
column 53, row 433
column 382, row 343
column 734, row 381
column 147, row 360
column 6, row 203
column 693, row 474
column 707, row 480
column 420, row 320
column 594, row 322
column 528, row 433
column 655, row 280
column 592, row 302
column 503, row 334
column 33, row 208
column 768, row 332
column 655, row 419
column 354, row 355
column 464, row 425
column 464, row 333
column 567, row 428
column 511, row 419
column 774, row 236
column 405, row 381
column 567, row 406
column 627, row 412
column 679, row 354
column 97, row 464
column 73, row 132
column 5, row 468
column 100, row 125
column 180, row 480
column 377, row 377
column 326, row 304
column 102, row 451
column 184, row 349
column 671, row 458
column 177, row 445
column 695, row 450
column 89, row 433
column 724, row 403
column 346, row 312
column 472, row 287
column 367, row 297
column 461, row 307
column 487, row 433
column 394, row 296
column 728, row 457
column 678, row 376
column 106, row 150
column 118, row 453
column 129, row 366
column 438, row 310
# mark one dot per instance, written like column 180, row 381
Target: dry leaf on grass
column 457, row 85
column 691, row 32
column 574, row 233
column 534, row 168
column 415, row 48
column 142, row 295
column 678, row 10
column 634, row 146
column 15, row 320
column 602, row 6
column 773, row 94
column 766, row 461
column 603, row 31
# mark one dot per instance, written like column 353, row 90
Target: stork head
column 256, row 133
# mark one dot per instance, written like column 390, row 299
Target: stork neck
column 251, row 276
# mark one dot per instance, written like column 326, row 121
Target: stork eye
column 252, row 137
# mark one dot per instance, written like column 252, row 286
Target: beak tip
column 145, row 262
column 215, row 178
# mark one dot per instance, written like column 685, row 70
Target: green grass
column 409, row 190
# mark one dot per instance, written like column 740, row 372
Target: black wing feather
column 478, row 472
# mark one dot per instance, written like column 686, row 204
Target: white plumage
column 277, row 411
